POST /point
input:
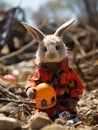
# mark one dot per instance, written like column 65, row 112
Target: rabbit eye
column 45, row 49
column 57, row 48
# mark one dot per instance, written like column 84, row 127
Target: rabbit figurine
column 52, row 62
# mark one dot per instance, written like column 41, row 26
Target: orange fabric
column 66, row 82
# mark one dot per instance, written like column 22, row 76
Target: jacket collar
column 53, row 67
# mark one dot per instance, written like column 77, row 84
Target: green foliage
column 53, row 10
column 86, row 10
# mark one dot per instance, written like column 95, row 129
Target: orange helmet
column 45, row 96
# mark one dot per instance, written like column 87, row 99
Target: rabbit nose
column 52, row 55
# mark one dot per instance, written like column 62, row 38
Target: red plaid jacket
column 66, row 82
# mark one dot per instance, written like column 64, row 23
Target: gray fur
column 51, row 47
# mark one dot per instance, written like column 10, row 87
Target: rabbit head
column 51, row 47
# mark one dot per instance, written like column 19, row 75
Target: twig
column 91, row 85
column 77, row 44
column 5, row 91
column 18, row 51
column 89, row 54
column 3, row 100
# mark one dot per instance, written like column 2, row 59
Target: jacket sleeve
column 77, row 88
column 34, row 81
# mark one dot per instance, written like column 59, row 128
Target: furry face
column 51, row 49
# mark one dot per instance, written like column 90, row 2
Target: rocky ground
column 17, row 112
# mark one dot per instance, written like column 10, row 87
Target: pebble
column 39, row 120
column 7, row 123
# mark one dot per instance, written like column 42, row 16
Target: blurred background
column 18, row 48
column 54, row 10
column 17, row 45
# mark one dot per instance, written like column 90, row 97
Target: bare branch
column 18, row 51
column 5, row 101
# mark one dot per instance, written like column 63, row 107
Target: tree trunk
column 92, row 13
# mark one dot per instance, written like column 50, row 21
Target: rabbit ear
column 34, row 31
column 62, row 28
